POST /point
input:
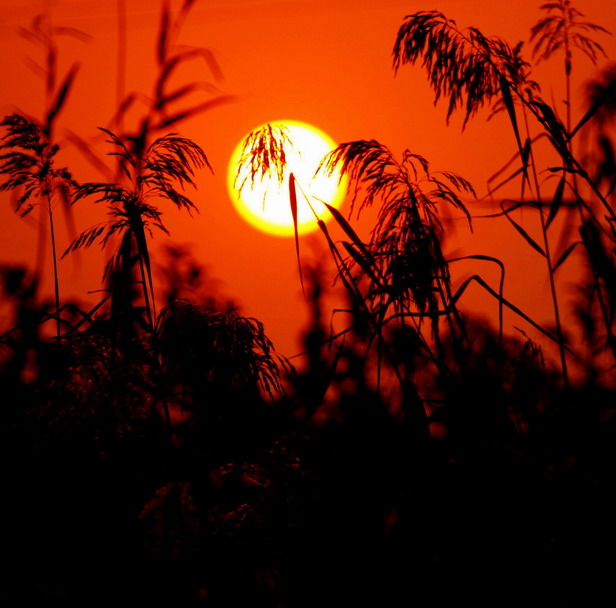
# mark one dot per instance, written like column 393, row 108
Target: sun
column 265, row 201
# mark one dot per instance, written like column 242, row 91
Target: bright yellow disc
column 266, row 202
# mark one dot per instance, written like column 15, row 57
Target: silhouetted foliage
column 562, row 30
column 29, row 166
column 472, row 70
column 263, row 153
column 215, row 351
column 151, row 175
column 30, row 163
column 417, row 456
column 406, row 258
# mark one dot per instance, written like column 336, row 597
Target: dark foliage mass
column 418, row 457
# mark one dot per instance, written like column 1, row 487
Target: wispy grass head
column 466, row 67
column 404, row 246
column 264, row 153
column 562, row 30
column 168, row 162
column 29, row 163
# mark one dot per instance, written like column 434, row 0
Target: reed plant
column 400, row 275
column 30, row 148
column 173, row 455
column 471, row 71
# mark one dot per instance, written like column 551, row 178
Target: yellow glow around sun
column 266, row 203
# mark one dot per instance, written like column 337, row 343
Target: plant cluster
column 420, row 455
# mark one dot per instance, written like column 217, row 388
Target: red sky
column 325, row 62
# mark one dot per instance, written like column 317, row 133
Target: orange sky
column 325, row 62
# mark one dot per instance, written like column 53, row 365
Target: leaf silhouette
column 557, row 201
column 163, row 33
column 527, row 237
column 58, row 102
column 565, row 254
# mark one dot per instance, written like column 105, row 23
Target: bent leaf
column 565, row 255
column 556, row 201
column 521, row 230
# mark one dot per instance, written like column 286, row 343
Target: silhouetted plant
column 152, row 174
column 206, row 355
column 472, row 70
column 104, row 397
column 264, row 154
column 403, row 268
column 562, row 30
column 600, row 293
column 150, row 165
column 29, row 166
column 31, row 170
column 405, row 262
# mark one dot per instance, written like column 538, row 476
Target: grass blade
column 293, row 204
column 505, row 88
column 202, row 107
column 163, row 33
column 56, row 106
column 565, row 255
column 506, row 303
column 501, row 285
column 556, row 201
column 521, row 230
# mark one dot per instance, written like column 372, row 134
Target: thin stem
column 567, row 25
column 591, row 183
column 145, row 291
column 55, row 263
column 409, row 390
column 548, row 258
column 121, row 61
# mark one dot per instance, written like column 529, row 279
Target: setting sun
column 265, row 201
